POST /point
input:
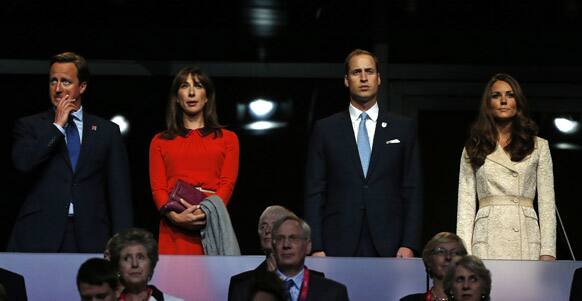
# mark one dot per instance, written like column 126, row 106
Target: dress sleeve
column 158, row 178
column 546, row 200
column 467, row 201
column 229, row 169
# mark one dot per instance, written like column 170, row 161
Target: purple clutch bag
column 185, row 191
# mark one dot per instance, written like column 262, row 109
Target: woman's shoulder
column 228, row 134
column 539, row 141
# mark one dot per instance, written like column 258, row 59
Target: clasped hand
column 193, row 218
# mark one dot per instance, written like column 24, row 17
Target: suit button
column 514, row 174
column 515, row 229
column 516, row 201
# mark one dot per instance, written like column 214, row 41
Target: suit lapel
column 350, row 142
column 500, row 157
column 89, row 132
column 49, row 118
column 380, row 136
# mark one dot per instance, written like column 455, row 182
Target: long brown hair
column 174, row 113
column 483, row 137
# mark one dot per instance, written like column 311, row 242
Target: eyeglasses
column 279, row 239
column 444, row 252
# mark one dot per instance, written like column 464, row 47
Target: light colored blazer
column 505, row 225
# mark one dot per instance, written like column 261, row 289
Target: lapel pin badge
column 93, row 127
column 384, row 124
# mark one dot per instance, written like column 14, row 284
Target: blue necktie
column 73, row 141
column 288, row 285
column 364, row 143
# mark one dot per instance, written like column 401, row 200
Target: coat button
column 516, row 201
column 515, row 229
column 514, row 174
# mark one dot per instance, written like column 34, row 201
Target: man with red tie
column 291, row 243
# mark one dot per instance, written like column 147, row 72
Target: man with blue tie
column 291, row 243
column 362, row 184
column 78, row 188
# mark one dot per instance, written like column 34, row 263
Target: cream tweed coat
column 500, row 192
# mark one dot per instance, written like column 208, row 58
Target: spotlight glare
column 566, row 125
column 261, row 108
column 264, row 125
column 122, row 123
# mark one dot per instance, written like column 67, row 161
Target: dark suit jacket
column 99, row 187
column 241, row 284
column 324, row 289
column 14, row 285
column 337, row 193
column 414, row 297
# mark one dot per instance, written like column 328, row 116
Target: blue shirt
column 297, row 281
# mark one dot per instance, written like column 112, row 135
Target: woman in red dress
column 193, row 148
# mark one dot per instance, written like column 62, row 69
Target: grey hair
column 304, row 226
column 275, row 210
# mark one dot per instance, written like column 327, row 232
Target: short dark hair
column 356, row 52
column 135, row 236
column 77, row 60
column 96, row 271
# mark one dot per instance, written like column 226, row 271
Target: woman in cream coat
column 503, row 164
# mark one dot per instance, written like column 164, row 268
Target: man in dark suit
column 240, row 285
column 291, row 243
column 78, row 188
column 362, row 189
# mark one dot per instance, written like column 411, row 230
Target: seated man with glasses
column 291, row 243
column 241, row 285
column 438, row 254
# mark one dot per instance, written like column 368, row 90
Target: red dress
column 203, row 161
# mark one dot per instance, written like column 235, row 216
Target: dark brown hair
column 483, row 137
column 174, row 113
column 77, row 60
column 356, row 52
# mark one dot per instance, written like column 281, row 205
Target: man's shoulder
column 34, row 117
column 243, row 276
column 321, row 281
column 100, row 121
column 393, row 117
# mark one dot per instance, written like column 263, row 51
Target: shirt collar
column 78, row 114
column 355, row 113
column 297, row 279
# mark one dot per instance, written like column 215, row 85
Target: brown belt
column 505, row 200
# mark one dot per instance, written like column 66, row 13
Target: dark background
column 436, row 58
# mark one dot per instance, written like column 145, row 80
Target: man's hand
column 318, row 254
column 64, row 109
column 547, row 258
column 193, row 218
column 404, row 252
column 271, row 263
